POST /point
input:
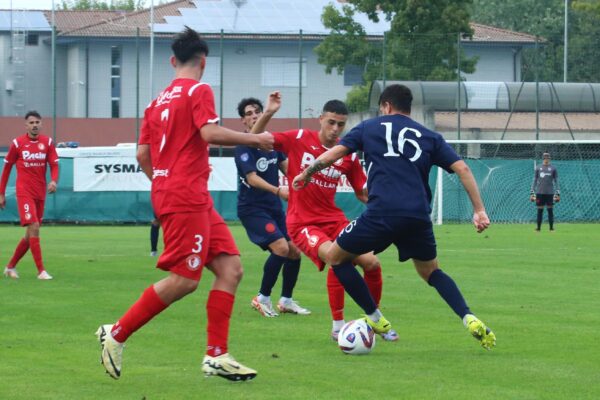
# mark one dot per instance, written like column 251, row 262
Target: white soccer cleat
column 334, row 335
column 390, row 336
column 45, row 276
column 11, row 273
column 265, row 309
column 226, row 367
column 112, row 351
column 153, row 254
column 292, row 307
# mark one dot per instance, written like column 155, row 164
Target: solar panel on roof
column 27, row 20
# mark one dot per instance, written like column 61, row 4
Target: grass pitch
column 539, row 292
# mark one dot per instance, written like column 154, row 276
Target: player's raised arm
column 323, row 161
column 273, row 105
column 480, row 217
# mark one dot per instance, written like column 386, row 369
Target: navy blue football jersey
column 399, row 154
column 266, row 165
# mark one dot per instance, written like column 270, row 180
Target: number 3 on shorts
column 198, row 243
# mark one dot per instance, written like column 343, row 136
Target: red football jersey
column 179, row 155
column 316, row 202
column 32, row 158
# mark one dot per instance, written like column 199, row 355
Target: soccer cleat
column 44, row 276
column 334, row 335
column 480, row 332
column 226, row 367
column 11, row 273
column 265, row 309
column 153, row 254
column 112, row 351
column 381, row 326
column 390, row 336
column 292, row 307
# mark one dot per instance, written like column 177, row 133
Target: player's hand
column 265, row 141
column 557, row 198
column 52, row 187
column 2, row 201
column 283, row 192
column 532, row 198
column 273, row 102
column 300, row 181
column 481, row 221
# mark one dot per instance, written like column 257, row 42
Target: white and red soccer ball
column 356, row 337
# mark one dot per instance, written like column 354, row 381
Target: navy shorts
column 544, row 199
column 264, row 227
column 412, row 237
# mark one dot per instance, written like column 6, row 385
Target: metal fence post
column 458, row 82
column 137, row 85
column 300, row 81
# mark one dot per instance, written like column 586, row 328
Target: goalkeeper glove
column 532, row 196
column 557, row 198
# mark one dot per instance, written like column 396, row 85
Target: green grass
column 539, row 292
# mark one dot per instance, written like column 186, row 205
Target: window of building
column 115, row 81
column 282, row 71
column 212, row 73
column 33, row 39
column 353, row 75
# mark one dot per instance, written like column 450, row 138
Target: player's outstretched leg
column 112, row 351
column 479, row 331
column 227, row 367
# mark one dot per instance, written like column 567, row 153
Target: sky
column 40, row 4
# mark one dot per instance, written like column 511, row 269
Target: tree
column 82, row 5
column 421, row 43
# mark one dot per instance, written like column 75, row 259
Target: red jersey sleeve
column 9, row 161
column 356, row 175
column 203, row 105
column 145, row 128
column 284, row 140
column 52, row 158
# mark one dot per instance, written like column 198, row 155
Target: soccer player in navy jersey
column 173, row 152
column 261, row 212
column 399, row 154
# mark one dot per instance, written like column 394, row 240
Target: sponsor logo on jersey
column 193, row 262
column 329, row 172
column 244, row 157
column 262, row 164
column 160, row 172
column 545, row 174
column 166, row 97
column 117, row 168
column 29, row 156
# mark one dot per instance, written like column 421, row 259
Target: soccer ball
column 356, row 337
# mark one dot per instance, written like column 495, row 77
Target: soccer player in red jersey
column 313, row 219
column 173, row 152
column 32, row 153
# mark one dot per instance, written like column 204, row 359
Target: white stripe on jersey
column 194, row 87
column 49, row 141
column 16, row 144
column 300, row 132
column 353, row 156
column 212, row 121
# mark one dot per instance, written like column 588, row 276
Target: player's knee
column 280, row 248
column 371, row 264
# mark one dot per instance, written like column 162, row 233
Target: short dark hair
column 33, row 113
column 399, row 96
column 241, row 108
column 335, row 106
column 187, row 45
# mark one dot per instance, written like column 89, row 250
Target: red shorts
column 193, row 240
column 308, row 238
column 30, row 210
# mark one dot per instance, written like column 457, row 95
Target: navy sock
column 449, row 292
column 540, row 215
column 270, row 273
column 551, row 217
column 355, row 286
column 154, row 237
column 291, row 268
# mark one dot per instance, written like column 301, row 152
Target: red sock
column 147, row 307
column 218, row 311
column 374, row 282
column 36, row 252
column 20, row 251
column 335, row 290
